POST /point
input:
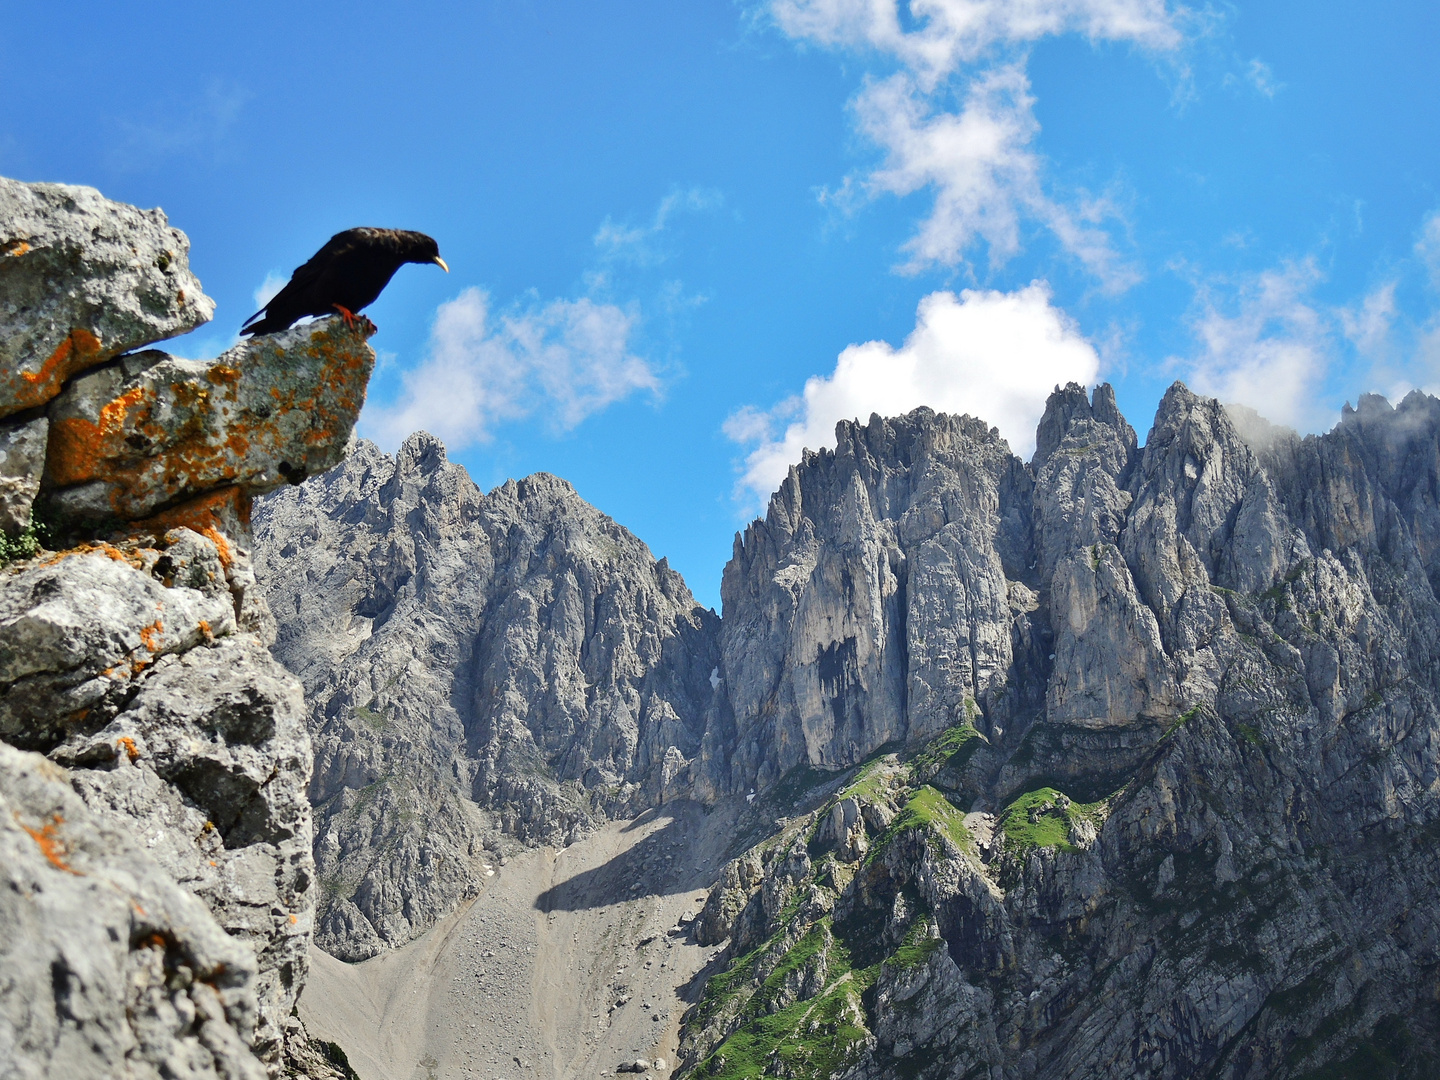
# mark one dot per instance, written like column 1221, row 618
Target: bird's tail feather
column 254, row 324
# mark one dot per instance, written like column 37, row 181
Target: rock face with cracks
column 1188, row 826
column 153, row 755
column 143, row 980
column 83, row 279
column 149, row 431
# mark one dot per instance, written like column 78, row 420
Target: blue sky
column 685, row 238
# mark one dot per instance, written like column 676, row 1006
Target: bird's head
column 419, row 248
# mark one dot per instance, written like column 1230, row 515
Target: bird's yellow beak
column 438, row 261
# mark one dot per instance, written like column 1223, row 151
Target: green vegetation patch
column 1181, row 720
column 952, row 748
column 371, row 718
column 917, row 947
column 807, row 1040
column 25, row 544
column 928, row 809
column 1042, row 818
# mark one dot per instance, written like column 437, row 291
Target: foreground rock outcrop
column 154, row 760
column 141, row 975
column 85, row 279
column 478, row 668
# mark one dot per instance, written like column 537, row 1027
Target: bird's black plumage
column 345, row 275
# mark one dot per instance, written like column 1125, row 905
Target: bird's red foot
column 346, row 314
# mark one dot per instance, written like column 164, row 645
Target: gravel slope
column 528, row 980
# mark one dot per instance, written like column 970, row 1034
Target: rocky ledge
column 154, row 761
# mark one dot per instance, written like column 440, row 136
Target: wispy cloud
column 201, row 127
column 1262, row 78
column 563, row 359
column 995, row 355
column 1255, row 74
column 266, row 290
column 558, row 361
column 1427, row 246
column 1368, row 324
column 958, row 117
column 643, row 244
column 1266, row 343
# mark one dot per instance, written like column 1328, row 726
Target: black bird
column 345, row 275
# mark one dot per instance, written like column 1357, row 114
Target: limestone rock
column 83, row 279
column 161, row 892
column 110, row 968
column 149, row 430
column 1206, row 850
column 126, row 664
column 77, row 630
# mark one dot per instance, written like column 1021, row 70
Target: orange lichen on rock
column 130, row 556
column 47, row 839
column 80, row 350
column 77, row 445
column 269, row 411
column 153, row 635
column 215, row 515
column 128, row 745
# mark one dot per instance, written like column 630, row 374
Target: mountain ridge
column 1110, row 727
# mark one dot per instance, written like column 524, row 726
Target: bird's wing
column 296, row 290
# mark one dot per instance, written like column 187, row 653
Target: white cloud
column 1368, row 324
column 978, row 159
column 565, row 359
column 640, row 244
column 1258, row 75
column 272, row 284
column 1262, row 78
column 1427, row 247
column 949, row 33
column 1272, row 353
column 994, row 355
column 985, row 176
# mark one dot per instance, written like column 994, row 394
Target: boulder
column 83, row 279
column 150, row 431
column 78, row 629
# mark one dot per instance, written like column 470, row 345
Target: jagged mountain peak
column 502, row 664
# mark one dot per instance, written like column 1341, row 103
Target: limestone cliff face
column 1122, row 761
column 1204, row 844
column 159, row 890
column 476, row 666
column 874, row 604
